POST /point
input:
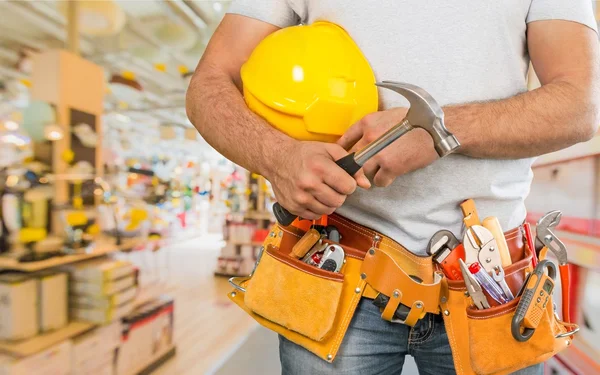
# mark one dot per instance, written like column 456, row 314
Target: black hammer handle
column 347, row 163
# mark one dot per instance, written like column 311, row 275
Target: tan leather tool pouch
column 481, row 340
column 307, row 305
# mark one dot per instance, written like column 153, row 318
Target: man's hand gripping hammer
column 424, row 112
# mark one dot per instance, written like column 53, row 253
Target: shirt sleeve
column 275, row 12
column 580, row 11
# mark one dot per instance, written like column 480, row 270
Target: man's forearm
column 217, row 109
column 550, row 118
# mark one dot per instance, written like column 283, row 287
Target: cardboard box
column 104, row 302
column 147, row 335
column 95, row 350
column 52, row 290
column 100, row 271
column 18, row 306
column 56, row 361
column 101, row 316
column 104, row 288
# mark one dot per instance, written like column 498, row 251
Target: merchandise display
column 252, row 187
column 53, row 297
column 19, row 307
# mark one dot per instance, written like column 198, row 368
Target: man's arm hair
column 215, row 105
column 562, row 112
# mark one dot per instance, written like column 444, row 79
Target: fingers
column 340, row 182
column 383, row 179
column 362, row 180
column 351, row 136
column 328, row 196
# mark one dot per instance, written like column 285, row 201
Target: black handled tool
column 424, row 112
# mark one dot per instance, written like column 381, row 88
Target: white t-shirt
column 459, row 51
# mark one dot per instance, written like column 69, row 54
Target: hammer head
column 425, row 113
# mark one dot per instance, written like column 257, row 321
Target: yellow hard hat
column 311, row 82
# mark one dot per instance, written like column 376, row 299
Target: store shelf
column 103, row 246
column 257, row 215
column 156, row 361
column 243, row 243
column 579, row 359
column 578, row 151
column 583, row 250
column 41, row 342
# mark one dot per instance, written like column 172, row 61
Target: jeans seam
column 425, row 337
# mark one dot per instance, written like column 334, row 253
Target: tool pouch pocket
column 307, row 305
column 481, row 340
column 493, row 349
column 295, row 295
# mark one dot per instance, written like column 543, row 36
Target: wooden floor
column 208, row 327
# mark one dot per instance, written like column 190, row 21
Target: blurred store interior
column 121, row 225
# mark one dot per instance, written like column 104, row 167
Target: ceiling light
column 218, row 7
column 11, row 125
column 122, row 118
column 53, row 132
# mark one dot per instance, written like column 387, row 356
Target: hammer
column 424, row 112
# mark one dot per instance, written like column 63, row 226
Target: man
column 472, row 56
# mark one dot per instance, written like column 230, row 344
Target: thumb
column 337, row 152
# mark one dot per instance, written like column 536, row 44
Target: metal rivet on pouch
column 376, row 238
column 272, row 234
column 396, row 294
column 280, row 233
column 466, row 294
column 419, row 305
column 233, row 294
column 372, row 252
column 329, row 357
column 363, row 276
column 488, row 260
column 568, row 342
column 444, row 299
column 446, row 312
column 357, row 290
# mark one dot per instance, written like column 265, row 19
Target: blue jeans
column 375, row 346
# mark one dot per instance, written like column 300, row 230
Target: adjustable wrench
column 424, row 113
column 498, row 276
column 545, row 238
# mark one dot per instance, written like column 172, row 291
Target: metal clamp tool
column 424, row 113
column 480, row 246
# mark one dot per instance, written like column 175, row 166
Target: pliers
column 473, row 287
column 545, row 238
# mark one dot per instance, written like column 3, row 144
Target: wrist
column 455, row 118
column 275, row 155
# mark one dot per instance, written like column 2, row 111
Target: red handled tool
column 531, row 244
column 547, row 238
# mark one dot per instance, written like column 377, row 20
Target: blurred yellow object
column 68, row 156
column 136, row 216
column 311, row 82
column 128, row 75
column 160, row 67
column 182, row 69
column 25, row 82
column 30, row 235
column 154, row 236
column 76, row 218
column 93, row 229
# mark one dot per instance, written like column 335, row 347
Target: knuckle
column 306, row 183
column 300, row 199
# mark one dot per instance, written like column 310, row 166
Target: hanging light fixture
column 97, row 18
column 53, row 132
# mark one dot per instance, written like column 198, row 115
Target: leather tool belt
column 313, row 307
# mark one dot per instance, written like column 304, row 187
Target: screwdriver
column 487, row 283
